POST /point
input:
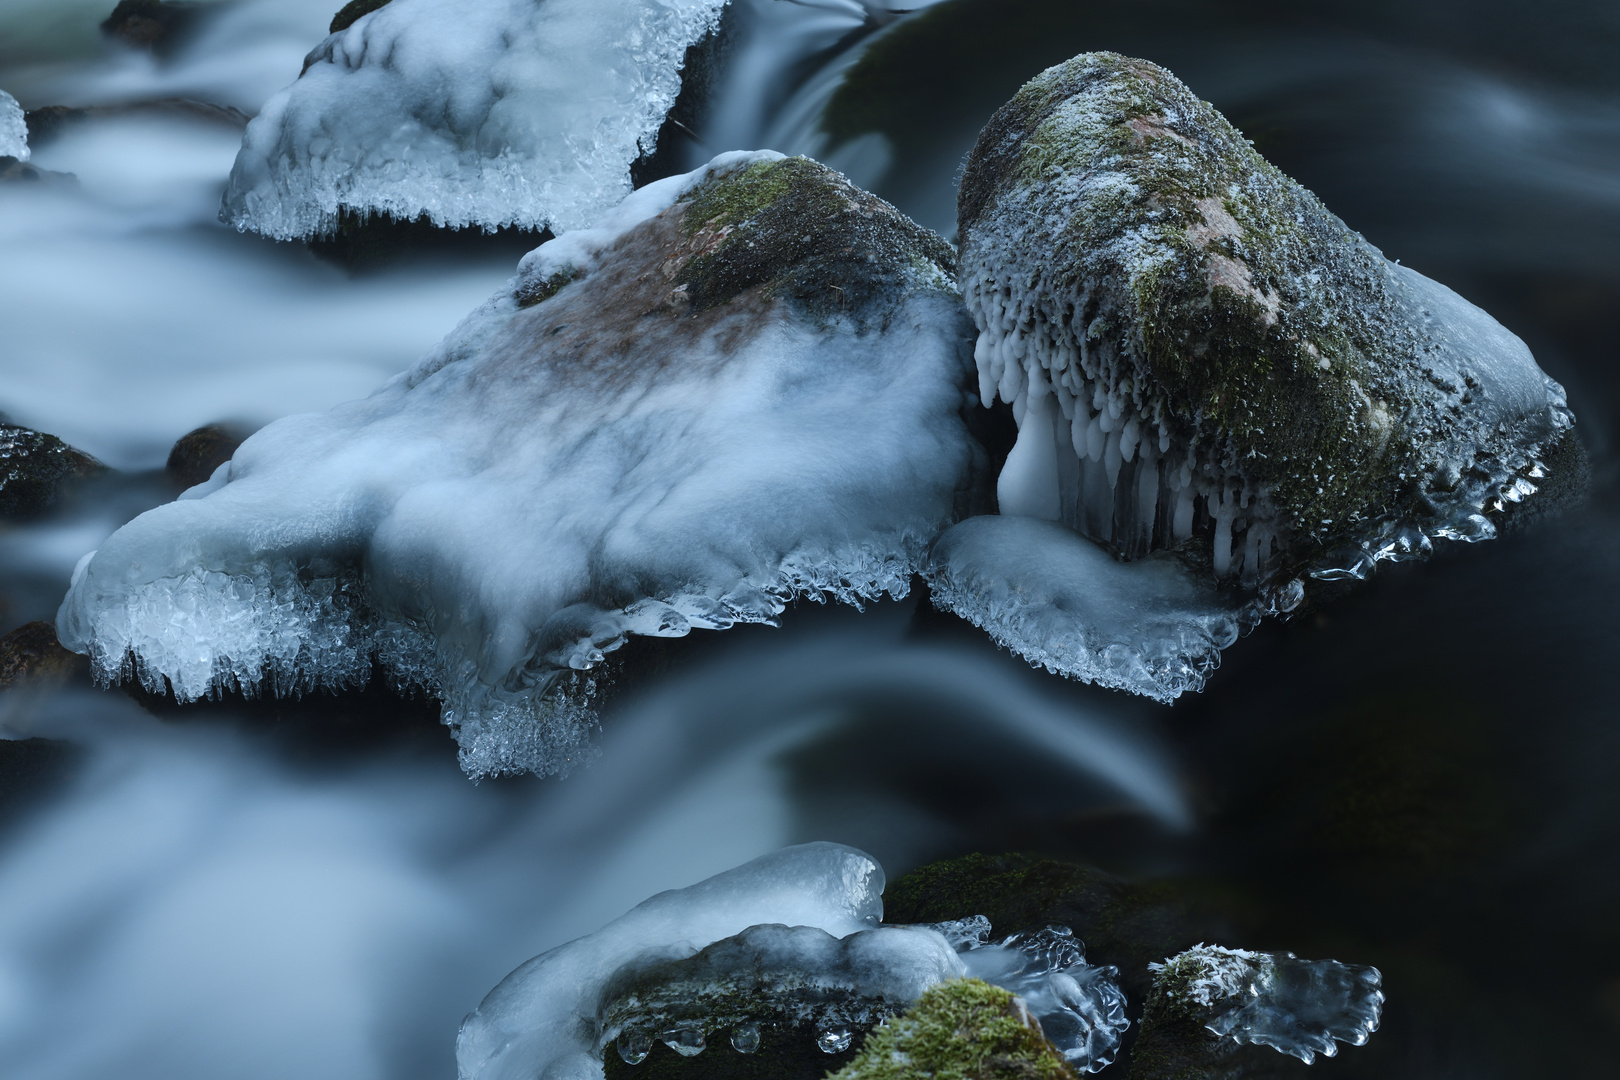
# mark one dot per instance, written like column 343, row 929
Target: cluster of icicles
column 1127, row 483
column 634, row 1043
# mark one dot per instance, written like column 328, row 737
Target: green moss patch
column 799, row 231
column 963, row 1029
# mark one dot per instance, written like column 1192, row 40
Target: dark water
column 1424, row 775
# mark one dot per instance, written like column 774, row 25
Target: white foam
column 472, row 112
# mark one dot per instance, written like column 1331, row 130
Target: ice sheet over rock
column 1080, row 1006
column 1149, row 626
column 541, row 1021
column 1297, row 1007
column 745, row 384
column 799, row 977
column 13, row 128
column 1197, row 350
column 471, row 112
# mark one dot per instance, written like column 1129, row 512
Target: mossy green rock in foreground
column 963, row 1029
column 1211, row 353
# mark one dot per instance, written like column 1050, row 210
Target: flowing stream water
column 1425, row 776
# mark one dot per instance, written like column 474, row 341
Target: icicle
column 1112, row 460
column 1012, row 374
column 1147, row 494
column 1078, row 426
column 1128, row 439
column 1095, row 438
column 1028, row 484
column 1181, row 523
column 984, row 358
column 1223, row 510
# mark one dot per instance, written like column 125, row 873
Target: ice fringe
column 1150, row 627
column 472, row 112
column 13, row 128
column 1297, row 1007
column 541, row 1020
column 559, row 474
column 791, row 938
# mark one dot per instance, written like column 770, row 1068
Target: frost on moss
column 1209, row 1001
column 963, row 1029
column 1228, row 359
column 805, row 233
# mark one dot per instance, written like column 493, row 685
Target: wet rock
column 48, row 121
column 15, row 171
column 198, row 453
column 153, row 25
column 31, row 654
column 1201, row 356
column 961, row 1030
column 1126, row 925
column 36, row 468
column 352, row 12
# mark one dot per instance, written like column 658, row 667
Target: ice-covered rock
column 13, row 128
column 1150, row 626
column 541, row 1021
column 744, row 385
column 1079, row 1005
column 1199, row 354
column 797, row 977
column 472, row 112
column 1297, row 1007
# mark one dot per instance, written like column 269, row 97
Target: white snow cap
column 539, row 1022
column 13, row 128
column 553, row 477
column 472, row 112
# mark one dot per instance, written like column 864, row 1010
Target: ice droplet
column 687, row 1042
column 745, row 1037
column 633, row 1046
column 834, row 1040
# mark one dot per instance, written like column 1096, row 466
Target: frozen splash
column 799, row 977
column 13, row 128
column 486, row 113
column 540, row 1020
column 590, row 455
column 1297, row 1007
column 1150, row 626
column 1080, row 1006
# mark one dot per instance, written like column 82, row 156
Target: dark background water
column 1424, row 775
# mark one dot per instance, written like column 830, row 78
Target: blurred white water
column 128, row 314
column 193, row 906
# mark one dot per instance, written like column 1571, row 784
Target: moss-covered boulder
column 964, row 1029
column 35, row 468
column 1212, row 352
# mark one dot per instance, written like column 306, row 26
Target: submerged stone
column 1201, row 356
column 35, row 468
column 744, row 386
